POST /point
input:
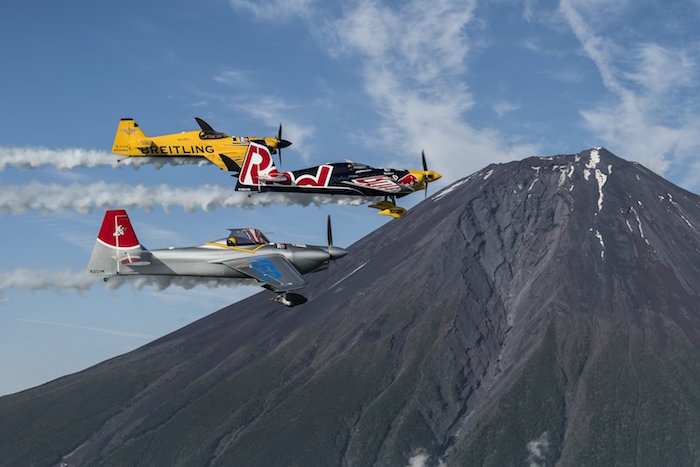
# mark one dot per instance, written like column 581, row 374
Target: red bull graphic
column 408, row 180
column 259, row 169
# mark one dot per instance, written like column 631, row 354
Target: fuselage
column 335, row 178
column 210, row 259
column 227, row 152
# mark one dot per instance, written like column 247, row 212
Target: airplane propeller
column 281, row 143
column 330, row 235
column 333, row 252
column 426, row 177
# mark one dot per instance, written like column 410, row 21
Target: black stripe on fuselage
column 330, row 190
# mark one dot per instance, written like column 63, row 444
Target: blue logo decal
column 265, row 269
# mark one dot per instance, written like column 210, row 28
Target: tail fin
column 258, row 166
column 129, row 137
column 116, row 245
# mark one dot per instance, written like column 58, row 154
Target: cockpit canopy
column 240, row 237
column 215, row 135
column 207, row 131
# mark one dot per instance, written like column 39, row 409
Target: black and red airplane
column 259, row 174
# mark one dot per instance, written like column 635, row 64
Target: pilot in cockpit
column 243, row 237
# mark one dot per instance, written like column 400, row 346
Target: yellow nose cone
column 432, row 176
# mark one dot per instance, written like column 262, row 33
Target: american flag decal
column 381, row 183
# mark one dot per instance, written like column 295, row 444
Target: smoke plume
column 32, row 158
column 38, row 279
column 78, row 281
column 101, row 195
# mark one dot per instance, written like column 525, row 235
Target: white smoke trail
column 101, row 195
column 41, row 279
column 79, row 281
column 35, row 157
column 163, row 282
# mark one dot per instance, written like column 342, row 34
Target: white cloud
column 274, row 111
column 537, row 450
column 275, row 10
column 234, row 78
column 413, row 61
column 84, row 198
column 643, row 119
column 529, row 8
column 501, row 108
column 419, row 460
column 661, row 69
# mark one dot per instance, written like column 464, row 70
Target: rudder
column 116, row 244
column 129, row 136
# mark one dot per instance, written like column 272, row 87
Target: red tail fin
column 116, row 230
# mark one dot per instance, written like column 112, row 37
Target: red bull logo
column 259, row 169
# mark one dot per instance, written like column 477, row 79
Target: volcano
column 540, row 312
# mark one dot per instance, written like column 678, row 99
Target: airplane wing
column 275, row 271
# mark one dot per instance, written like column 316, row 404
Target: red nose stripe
column 117, row 231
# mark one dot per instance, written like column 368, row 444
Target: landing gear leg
column 290, row 299
column 389, row 208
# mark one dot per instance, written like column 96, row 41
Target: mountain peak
column 547, row 302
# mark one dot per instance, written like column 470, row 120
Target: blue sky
column 470, row 82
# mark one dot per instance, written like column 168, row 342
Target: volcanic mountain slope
column 544, row 311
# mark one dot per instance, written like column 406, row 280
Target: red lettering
column 323, row 175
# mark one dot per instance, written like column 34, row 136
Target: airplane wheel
column 296, row 299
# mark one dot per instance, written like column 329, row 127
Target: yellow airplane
column 227, row 152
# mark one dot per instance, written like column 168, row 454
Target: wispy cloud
column 501, row 108
column 646, row 118
column 111, row 332
column 274, row 111
column 83, row 198
column 413, row 57
column 418, row 460
column 537, row 450
column 422, row 459
column 238, row 78
column 71, row 228
column 275, row 10
column 529, row 10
